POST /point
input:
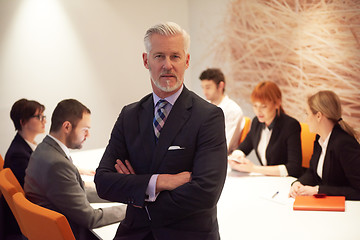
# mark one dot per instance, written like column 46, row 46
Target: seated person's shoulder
column 290, row 121
column 341, row 137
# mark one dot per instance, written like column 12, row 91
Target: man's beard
column 167, row 87
column 70, row 142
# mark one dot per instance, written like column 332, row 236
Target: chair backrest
column 240, row 132
column 42, row 223
column 245, row 129
column 1, row 167
column 9, row 185
column 1, row 163
column 307, row 144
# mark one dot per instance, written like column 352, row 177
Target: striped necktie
column 160, row 117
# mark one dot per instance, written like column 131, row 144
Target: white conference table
column 246, row 210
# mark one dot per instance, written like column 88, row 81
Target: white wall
column 206, row 20
column 84, row 49
column 91, row 50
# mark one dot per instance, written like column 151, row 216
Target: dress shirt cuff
column 151, row 194
column 283, row 170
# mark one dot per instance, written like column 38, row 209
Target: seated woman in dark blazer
column 273, row 135
column 335, row 163
column 29, row 121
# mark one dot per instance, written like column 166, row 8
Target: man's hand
column 121, row 168
column 172, row 181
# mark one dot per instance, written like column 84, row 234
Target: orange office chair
column 41, row 223
column 245, row 129
column 9, row 185
column 1, row 166
column 1, row 163
column 307, row 144
column 1, row 210
column 241, row 130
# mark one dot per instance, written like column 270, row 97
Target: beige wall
column 91, row 50
column 84, row 49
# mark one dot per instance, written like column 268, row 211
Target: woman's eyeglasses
column 40, row 117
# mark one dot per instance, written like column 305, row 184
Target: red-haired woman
column 274, row 136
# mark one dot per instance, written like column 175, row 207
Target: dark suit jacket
column 53, row 181
column 341, row 170
column 189, row 211
column 17, row 159
column 284, row 145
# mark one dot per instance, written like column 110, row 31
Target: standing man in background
column 213, row 85
column 169, row 151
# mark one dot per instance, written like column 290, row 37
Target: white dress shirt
column 263, row 143
column 323, row 145
column 31, row 145
column 233, row 114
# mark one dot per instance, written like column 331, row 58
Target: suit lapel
column 56, row 146
column 328, row 158
column 178, row 116
column 22, row 141
column 274, row 136
column 256, row 140
column 315, row 158
column 146, row 115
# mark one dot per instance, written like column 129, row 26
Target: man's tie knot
column 160, row 117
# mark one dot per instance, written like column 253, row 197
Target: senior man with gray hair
column 169, row 151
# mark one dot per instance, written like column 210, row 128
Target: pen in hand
column 275, row 194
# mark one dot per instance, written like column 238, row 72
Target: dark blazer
column 284, row 145
column 341, row 170
column 53, row 181
column 17, row 159
column 189, row 211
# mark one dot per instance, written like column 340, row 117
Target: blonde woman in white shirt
column 334, row 165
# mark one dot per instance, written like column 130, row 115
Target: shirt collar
column 62, row 146
column 31, row 145
column 272, row 124
column 324, row 143
column 171, row 99
column 224, row 100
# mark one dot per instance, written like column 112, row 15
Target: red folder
column 327, row 203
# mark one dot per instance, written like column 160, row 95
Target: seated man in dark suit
column 169, row 150
column 54, row 182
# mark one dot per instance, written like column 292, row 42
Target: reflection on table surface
column 248, row 209
column 88, row 159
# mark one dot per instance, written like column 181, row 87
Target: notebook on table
column 323, row 203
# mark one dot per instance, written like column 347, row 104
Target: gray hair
column 166, row 29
